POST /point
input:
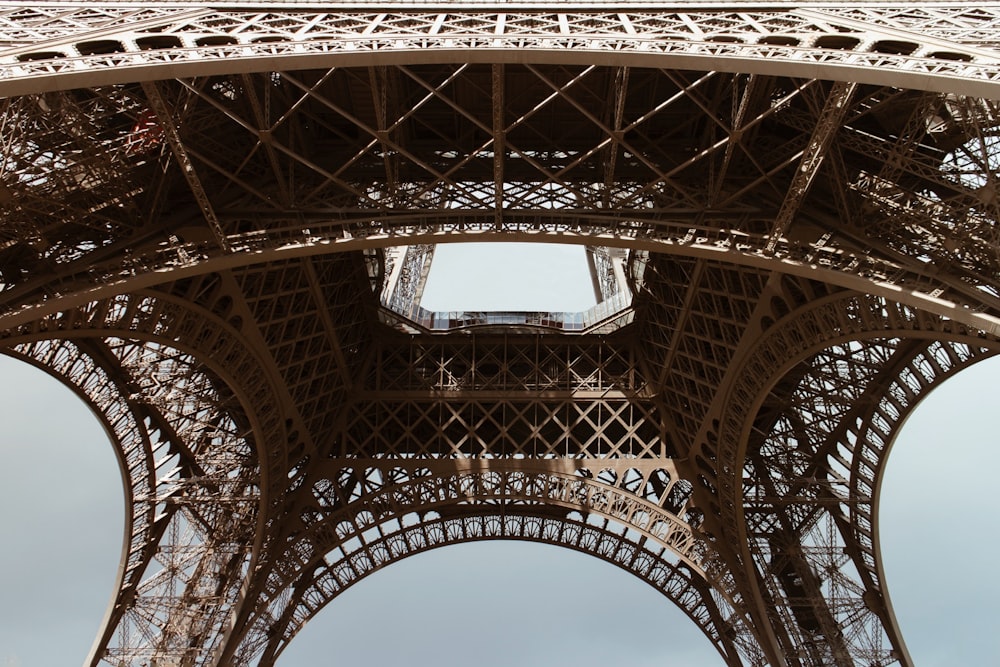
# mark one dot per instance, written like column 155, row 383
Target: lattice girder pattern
column 352, row 511
column 934, row 199
column 946, row 42
column 815, row 498
column 193, row 206
column 502, row 396
column 192, row 491
column 814, row 478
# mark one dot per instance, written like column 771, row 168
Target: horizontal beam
column 509, row 37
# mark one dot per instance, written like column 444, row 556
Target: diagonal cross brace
column 830, row 119
column 165, row 118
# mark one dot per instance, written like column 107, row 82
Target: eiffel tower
column 218, row 220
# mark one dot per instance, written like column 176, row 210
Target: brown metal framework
column 194, row 200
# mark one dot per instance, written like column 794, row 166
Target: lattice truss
column 808, row 491
column 192, row 490
column 194, row 204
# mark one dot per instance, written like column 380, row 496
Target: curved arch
column 61, row 511
column 685, row 589
column 529, row 602
column 826, row 456
column 162, row 334
column 343, row 540
column 652, row 212
column 854, row 320
column 163, row 320
column 354, row 42
column 902, row 208
column 338, row 507
column 163, row 265
column 180, row 457
column 912, row 385
column 129, row 442
column 838, row 318
column 344, row 525
column 940, row 471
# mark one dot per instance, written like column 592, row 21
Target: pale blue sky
column 492, row 603
column 509, row 276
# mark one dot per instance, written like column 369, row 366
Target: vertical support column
column 499, row 145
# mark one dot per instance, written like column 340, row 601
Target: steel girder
column 194, row 201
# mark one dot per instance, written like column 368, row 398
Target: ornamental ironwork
column 216, row 222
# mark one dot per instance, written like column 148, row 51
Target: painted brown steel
column 193, row 206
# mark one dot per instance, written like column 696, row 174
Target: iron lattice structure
column 199, row 210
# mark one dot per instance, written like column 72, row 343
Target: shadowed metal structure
column 217, row 221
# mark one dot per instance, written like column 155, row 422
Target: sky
column 494, row 603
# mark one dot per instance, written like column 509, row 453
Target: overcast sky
column 493, row 603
